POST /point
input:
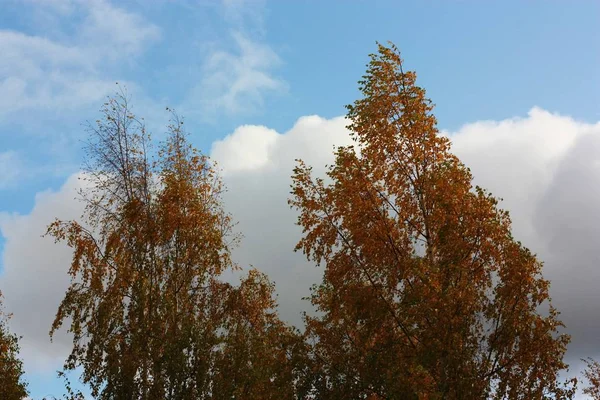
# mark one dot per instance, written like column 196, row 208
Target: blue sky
column 233, row 63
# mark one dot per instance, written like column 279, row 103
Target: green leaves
column 12, row 384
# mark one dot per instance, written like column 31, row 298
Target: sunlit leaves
column 425, row 294
column 149, row 315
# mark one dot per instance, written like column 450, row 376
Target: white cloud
column 35, row 277
column 248, row 147
column 516, row 159
column 35, row 269
column 545, row 166
column 258, row 185
column 252, row 148
column 37, row 71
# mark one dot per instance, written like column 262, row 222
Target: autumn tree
column 149, row 314
column 425, row 294
column 592, row 374
column 12, row 385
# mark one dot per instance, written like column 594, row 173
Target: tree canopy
column 426, row 294
column 12, row 384
column 150, row 316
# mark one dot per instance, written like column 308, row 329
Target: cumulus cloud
column 247, row 148
column 516, row 159
column 34, row 278
column 258, row 188
column 545, row 166
column 38, row 71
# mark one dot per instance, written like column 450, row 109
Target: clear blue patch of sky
column 478, row 60
column 50, row 386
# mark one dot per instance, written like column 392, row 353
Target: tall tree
column 426, row 294
column 150, row 316
column 12, row 385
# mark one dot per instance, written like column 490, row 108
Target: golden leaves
column 149, row 315
column 592, row 374
column 425, row 294
column 409, row 245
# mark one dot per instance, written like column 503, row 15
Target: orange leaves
column 149, row 315
column 592, row 374
column 409, row 246
column 425, row 294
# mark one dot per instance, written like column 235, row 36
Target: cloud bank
column 545, row 166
